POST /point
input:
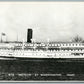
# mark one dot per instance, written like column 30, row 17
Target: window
column 69, row 44
column 52, row 44
column 66, row 44
column 72, row 44
column 55, row 44
column 63, row 44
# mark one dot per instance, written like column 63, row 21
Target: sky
column 57, row 21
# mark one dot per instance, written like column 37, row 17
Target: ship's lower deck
column 43, row 59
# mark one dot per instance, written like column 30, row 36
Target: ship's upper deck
column 42, row 45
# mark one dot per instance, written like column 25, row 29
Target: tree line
column 78, row 39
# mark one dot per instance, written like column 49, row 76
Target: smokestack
column 29, row 35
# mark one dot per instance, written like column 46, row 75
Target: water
column 41, row 70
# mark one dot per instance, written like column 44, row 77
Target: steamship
column 41, row 50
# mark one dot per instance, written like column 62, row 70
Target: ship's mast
column 34, row 42
column 17, row 37
column 47, row 45
column 23, row 44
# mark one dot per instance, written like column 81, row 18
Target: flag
column 3, row 34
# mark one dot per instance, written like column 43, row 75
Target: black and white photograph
column 41, row 41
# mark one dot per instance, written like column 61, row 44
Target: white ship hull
column 14, row 54
column 29, row 51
